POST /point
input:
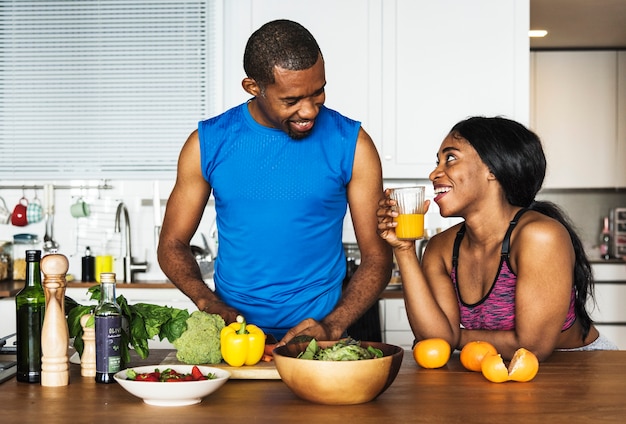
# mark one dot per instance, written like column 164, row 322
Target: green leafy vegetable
column 344, row 350
column 73, row 324
column 141, row 322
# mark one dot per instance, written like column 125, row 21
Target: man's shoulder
column 334, row 115
column 331, row 121
column 232, row 113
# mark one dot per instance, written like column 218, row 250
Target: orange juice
column 410, row 226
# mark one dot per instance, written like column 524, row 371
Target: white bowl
column 178, row 393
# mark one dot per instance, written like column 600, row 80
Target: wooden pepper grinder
column 88, row 358
column 54, row 334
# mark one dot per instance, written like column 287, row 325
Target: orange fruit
column 473, row 353
column 523, row 367
column 493, row 369
column 432, row 353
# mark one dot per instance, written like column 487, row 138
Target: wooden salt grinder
column 54, row 334
column 88, row 358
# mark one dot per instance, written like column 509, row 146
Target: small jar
column 6, row 260
column 22, row 243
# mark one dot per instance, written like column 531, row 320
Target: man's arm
column 371, row 277
column 183, row 213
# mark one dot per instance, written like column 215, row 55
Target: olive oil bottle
column 108, row 323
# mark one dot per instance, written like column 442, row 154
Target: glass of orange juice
column 410, row 208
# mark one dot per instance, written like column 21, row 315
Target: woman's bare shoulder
column 540, row 236
column 537, row 227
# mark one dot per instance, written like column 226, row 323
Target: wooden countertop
column 10, row 288
column 570, row 387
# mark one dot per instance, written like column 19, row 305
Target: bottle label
column 108, row 344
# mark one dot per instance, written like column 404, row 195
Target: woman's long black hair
column 515, row 156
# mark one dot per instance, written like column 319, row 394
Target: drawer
column 404, row 339
column 610, row 298
column 609, row 271
column 395, row 315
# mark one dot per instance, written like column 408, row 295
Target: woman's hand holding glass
column 387, row 215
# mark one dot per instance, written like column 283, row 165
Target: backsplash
column 97, row 229
column 585, row 207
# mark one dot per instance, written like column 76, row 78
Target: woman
column 514, row 273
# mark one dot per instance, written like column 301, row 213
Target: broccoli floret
column 200, row 343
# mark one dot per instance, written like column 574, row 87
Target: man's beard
column 298, row 135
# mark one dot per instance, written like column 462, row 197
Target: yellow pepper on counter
column 242, row 343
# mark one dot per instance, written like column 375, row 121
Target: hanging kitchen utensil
column 204, row 260
column 49, row 244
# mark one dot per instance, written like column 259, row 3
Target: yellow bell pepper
column 242, row 343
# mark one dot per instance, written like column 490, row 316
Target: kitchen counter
column 597, row 261
column 11, row 288
column 570, row 387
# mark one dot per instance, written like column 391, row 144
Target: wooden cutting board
column 261, row 371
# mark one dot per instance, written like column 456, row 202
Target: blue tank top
column 280, row 207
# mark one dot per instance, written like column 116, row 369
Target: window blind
column 103, row 89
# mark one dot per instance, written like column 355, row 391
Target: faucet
column 130, row 267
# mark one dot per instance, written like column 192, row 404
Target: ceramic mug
column 80, row 209
column 34, row 211
column 5, row 213
column 18, row 218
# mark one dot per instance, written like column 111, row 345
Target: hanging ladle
column 49, row 244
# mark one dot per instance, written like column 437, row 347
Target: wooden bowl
column 338, row 382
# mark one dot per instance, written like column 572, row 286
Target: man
column 282, row 168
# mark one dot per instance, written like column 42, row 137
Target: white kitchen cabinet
column 395, row 323
column 348, row 33
column 408, row 70
column 574, row 112
column 444, row 61
column 608, row 313
column 610, row 298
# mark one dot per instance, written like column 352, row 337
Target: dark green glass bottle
column 30, row 305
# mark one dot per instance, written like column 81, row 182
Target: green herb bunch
column 141, row 322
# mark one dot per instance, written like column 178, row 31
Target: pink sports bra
column 496, row 311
